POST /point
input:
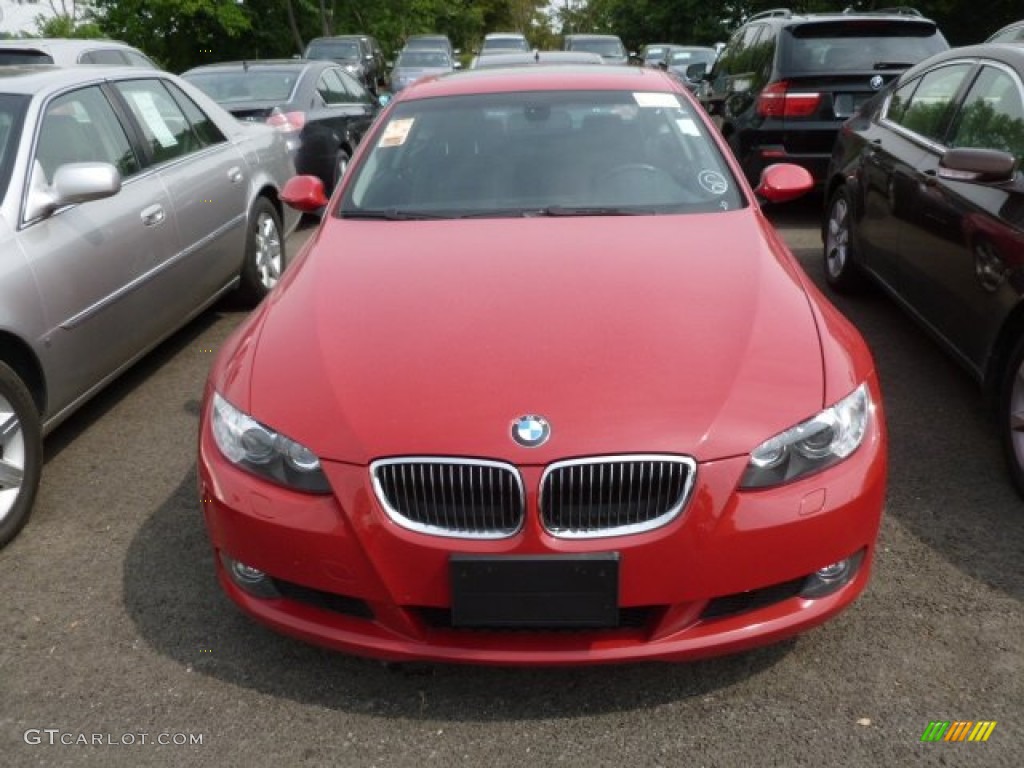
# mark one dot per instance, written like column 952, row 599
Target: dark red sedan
column 545, row 387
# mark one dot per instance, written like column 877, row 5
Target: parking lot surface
column 120, row 650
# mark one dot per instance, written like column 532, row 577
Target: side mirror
column 304, row 193
column 72, row 183
column 456, row 65
column 783, row 182
column 978, row 165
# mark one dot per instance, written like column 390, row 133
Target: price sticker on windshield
column 396, row 132
column 656, row 99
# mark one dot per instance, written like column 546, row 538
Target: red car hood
column 679, row 334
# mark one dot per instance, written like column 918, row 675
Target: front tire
column 841, row 269
column 264, row 253
column 1011, row 416
column 21, row 454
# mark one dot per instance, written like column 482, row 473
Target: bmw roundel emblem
column 876, row 82
column 531, row 431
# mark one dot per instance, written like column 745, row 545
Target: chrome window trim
column 906, row 133
column 625, row 530
column 432, row 530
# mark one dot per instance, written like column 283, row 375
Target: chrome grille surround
column 602, row 496
column 452, row 497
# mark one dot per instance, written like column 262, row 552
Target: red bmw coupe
column 545, row 387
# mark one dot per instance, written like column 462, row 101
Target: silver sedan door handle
column 235, row 175
column 153, row 215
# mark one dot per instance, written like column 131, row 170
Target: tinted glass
column 236, row 86
column 12, row 117
column 602, row 47
column 25, row 57
column 342, row 50
column 929, row 106
column 506, row 44
column 164, row 126
column 992, row 116
column 515, row 154
column 424, row 58
column 330, row 88
column 205, row 128
column 81, row 127
column 858, row 46
column 355, row 90
column 107, row 56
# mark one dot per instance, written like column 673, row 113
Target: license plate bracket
column 529, row 591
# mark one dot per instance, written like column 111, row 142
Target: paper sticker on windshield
column 396, row 132
column 656, row 99
column 687, row 126
column 713, row 182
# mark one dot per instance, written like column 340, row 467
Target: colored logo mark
column 958, row 730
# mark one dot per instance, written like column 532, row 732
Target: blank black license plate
column 525, row 591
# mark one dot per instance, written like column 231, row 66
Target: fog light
column 827, row 580
column 251, row 580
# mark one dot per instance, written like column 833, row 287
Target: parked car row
column 129, row 202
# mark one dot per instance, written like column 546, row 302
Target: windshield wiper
column 892, row 65
column 563, row 210
column 391, row 214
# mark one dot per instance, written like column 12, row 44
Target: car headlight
column 813, row 445
column 260, row 450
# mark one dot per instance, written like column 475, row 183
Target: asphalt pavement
column 117, row 647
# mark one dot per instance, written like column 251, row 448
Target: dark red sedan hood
column 679, row 334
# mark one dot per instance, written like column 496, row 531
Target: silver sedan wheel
column 837, row 238
column 269, row 255
column 12, row 458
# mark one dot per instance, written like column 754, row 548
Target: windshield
column 12, row 116
column 227, row 87
column 860, row 46
column 505, row 44
column 686, row 58
column 541, row 153
column 340, row 50
column 422, row 59
column 607, row 48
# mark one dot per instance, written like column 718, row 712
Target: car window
column 1008, row 35
column 165, row 128
column 513, row 153
column 926, row 110
column 423, row 58
column 355, row 90
column 739, row 56
column 108, row 56
column 12, row 117
column 992, row 115
column 602, row 46
column 137, row 59
column 79, row 127
column 15, row 56
column 858, row 46
column 205, row 128
column 330, row 87
column 342, row 50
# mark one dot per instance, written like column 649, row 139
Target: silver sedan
column 129, row 202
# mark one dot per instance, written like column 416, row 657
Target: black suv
column 785, row 82
column 361, row 55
